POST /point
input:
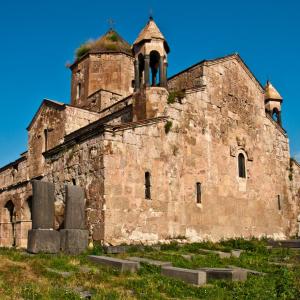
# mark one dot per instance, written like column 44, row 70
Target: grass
column 24, row 276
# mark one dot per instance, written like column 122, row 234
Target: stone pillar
column 74, row 238
column 147, row 70
column 136, row 75
column 161, row 72
column 279, row 118
column 42, row 237
column 165, row 73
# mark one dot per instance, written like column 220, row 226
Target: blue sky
column 38, row 38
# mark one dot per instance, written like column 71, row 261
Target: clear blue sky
column 39, row 37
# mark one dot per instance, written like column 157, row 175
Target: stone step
column 152, row 262
column 120, row 264
column 224, row 273
column 285, row 243
column 196, row 277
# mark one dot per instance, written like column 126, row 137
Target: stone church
column 199, row 155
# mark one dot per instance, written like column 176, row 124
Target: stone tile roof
column 151, row 31
column 271, row 93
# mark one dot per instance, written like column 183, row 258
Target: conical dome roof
column 109, row 42
column 271, row 93
column 151, row 31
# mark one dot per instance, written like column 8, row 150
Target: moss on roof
column 109, row 42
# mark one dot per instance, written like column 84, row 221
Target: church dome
column 109, row 42
column 271, row 93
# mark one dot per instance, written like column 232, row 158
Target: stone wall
column 14, row 173
column 15, row 215
column 76, row 118
column 111, row 72
column 101, row 100
column 208, row 131
column 49, row 129
column 294, row 177
column 80, row 165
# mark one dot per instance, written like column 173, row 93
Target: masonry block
column 196, row 277
column 43, row 240
column 73, row 241
column 42, row 205
column 120, row 264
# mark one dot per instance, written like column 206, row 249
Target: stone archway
column 7, row 225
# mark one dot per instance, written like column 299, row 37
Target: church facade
column 200, row 155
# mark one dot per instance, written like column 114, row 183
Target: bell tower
column 150, row 52
column 273, row 102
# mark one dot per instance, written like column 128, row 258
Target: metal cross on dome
column 111, row 23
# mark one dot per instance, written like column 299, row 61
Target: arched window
column 242, row 165
column 147, row 185
column 78, row 91
column 276, row 116
column 154, row 66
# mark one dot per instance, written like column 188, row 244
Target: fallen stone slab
column 196, row 277
column 62, row 273
column 249, row 271
column 285, row 243
column 220, row 253
column 116, row 249
column 188, row 256
column 152, row 262
column 281, row 264
column 120, row 264
column 224, row 273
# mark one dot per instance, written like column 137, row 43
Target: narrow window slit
column 198, row 192
column 147, row 185
column 242, row 166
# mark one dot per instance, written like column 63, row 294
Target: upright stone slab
column 42, row 237
column 74, row 238
column 75, row 208
column 42, row 205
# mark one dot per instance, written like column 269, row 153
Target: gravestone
column 196, row 277
column 74, row 238
column 42, row 237
column 120, row 264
